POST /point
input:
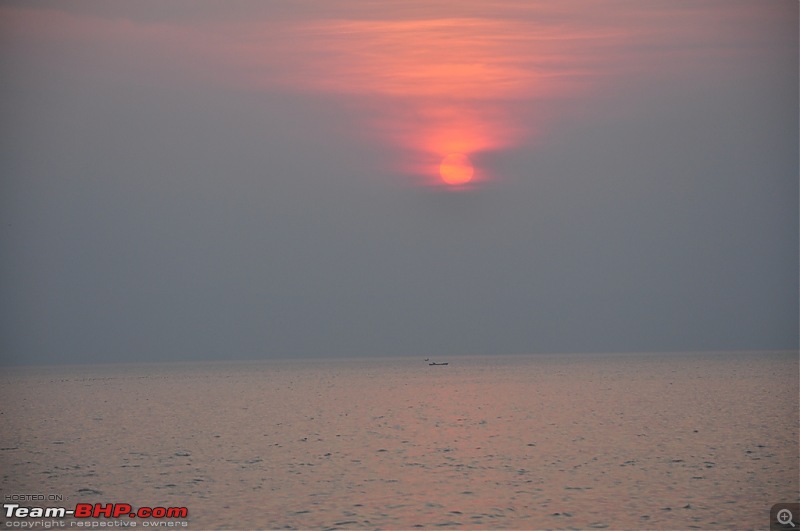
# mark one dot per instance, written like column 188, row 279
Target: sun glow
column 430, row 83
column 456, row 169
column 437, row 86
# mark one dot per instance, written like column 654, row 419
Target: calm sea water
column 568, row 441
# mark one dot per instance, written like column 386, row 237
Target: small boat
column 434, row 363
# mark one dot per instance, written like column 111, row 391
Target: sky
column 241, row 179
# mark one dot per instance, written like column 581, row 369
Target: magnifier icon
column 785, row 517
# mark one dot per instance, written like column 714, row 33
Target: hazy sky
column 249, row 179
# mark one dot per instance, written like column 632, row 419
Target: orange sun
column 456, row 169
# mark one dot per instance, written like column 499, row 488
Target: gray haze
column 152, row 210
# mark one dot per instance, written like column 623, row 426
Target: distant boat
column 434, row 363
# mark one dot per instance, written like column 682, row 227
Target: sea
column 561, row 441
